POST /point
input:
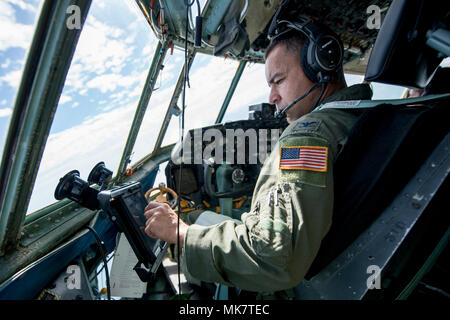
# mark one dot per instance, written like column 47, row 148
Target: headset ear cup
column 307, row 63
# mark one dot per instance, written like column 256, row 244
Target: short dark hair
column 292, row 40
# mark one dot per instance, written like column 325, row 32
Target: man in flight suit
column 292, row 203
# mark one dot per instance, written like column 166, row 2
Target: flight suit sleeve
column 279, row 238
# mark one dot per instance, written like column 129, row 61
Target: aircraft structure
column 391, row 241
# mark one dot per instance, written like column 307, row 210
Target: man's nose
column 274, row 97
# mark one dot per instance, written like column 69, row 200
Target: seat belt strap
column 363, row 104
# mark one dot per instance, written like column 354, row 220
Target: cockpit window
column 209, row 79
column 381, row 91
column 251, row 89
column 100, row 95
column 17, row 20
column 158, row 105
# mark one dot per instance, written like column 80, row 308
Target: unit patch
column 304, row 158
column 307, row 126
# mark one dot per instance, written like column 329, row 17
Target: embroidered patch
column 304, row 158
column 307, row 126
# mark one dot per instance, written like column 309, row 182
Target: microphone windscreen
column 198, row 31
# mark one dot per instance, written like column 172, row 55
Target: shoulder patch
column 307, row 125
column 312, row 158
column 304, row 159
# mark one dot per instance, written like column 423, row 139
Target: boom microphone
column 280, row 113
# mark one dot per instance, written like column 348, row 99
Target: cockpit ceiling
column 348, row 18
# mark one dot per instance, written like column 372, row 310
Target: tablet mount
column 124, row 205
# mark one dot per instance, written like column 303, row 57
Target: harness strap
column 362, row 104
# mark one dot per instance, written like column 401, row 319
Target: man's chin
column 286, row 113
column 289, row 118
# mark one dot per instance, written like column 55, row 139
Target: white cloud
column 209, row 86
column 110, row 82
column 21, row 38
column 5, row 112
column 108, row 107
column 24, row 5
column 147, row 50
column 76, row 77
column 101, row 55
column 252, row 88
column 151, row 123
column 134, row 8
column 102, row 138
column 86, row 138
column 99, row 63
column 6, row 64
column 103, row 51
column 98, row 50
column 100, row 3
column 64, row 99
column 12, row 78
column 99, row 138
column 12, row 33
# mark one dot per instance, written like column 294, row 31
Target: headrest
column 400, row 55
column 440, row 82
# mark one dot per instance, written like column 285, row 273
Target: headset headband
column 322, row 53
column 284, row 26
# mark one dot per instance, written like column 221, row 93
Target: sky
column 103, row 87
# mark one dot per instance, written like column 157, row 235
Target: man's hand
column 162, row 223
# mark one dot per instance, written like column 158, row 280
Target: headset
column 322, row 52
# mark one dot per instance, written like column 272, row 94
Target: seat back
column 404, row 52
column 384, row 150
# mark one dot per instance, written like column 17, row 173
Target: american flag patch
column 304, row 158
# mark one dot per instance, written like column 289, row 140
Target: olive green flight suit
column 290, row 213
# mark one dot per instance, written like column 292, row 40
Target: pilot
column 292, row 204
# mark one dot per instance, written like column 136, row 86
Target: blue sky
column 16, row 20
column 104, row 84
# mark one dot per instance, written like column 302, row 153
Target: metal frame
column 173, row 101
column 42, row 82
column 429, row 263
column 153, row 74
column 43, row 79
column 22, row 257
column 32, row 267
column 234, row 83
column 380, row 242
column 155, row 68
